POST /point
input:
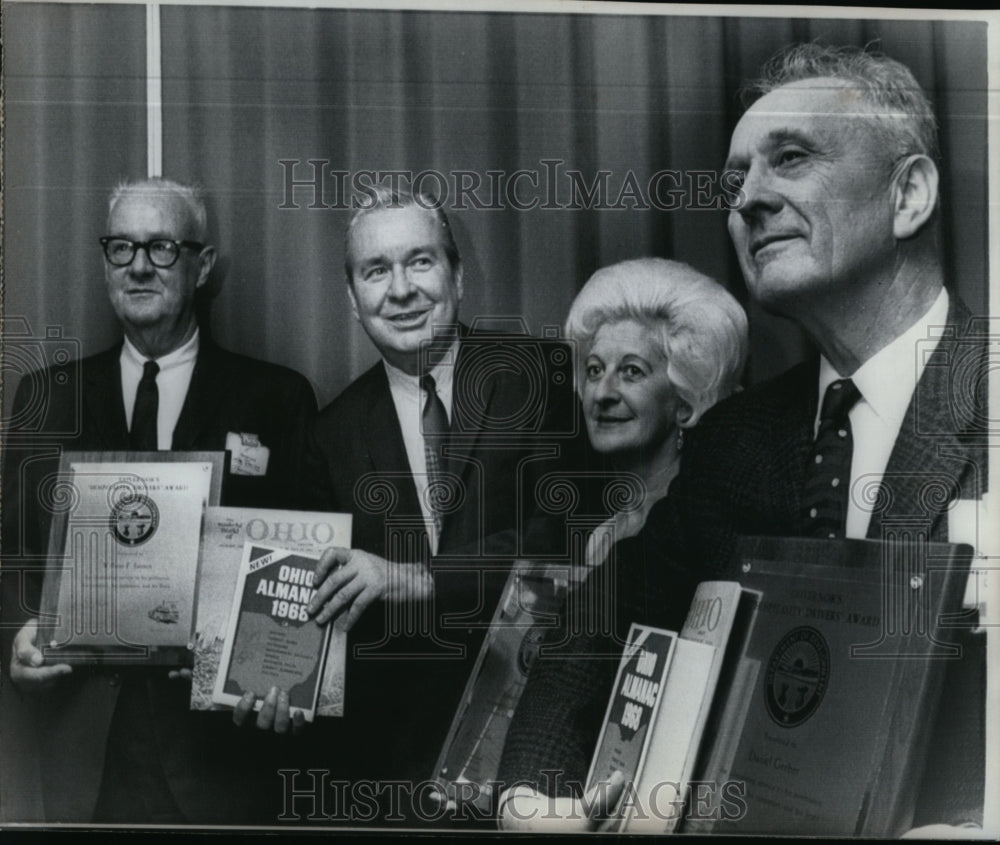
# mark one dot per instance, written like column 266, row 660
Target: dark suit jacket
column 84, row 410
column 743, row 473
column 513, row 421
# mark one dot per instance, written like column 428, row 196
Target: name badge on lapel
column 249, row 456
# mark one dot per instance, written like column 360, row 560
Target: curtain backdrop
column 609, row 100
column 245, row 89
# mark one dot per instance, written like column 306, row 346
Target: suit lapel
column 203, row 397
column 932, row 459
column 791, row 434
column 384, row 441
column 468, row 418
column 102, row 398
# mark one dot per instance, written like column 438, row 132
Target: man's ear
column 459, row 286
column 207, row 262
column 354, row 301
column 915, row 193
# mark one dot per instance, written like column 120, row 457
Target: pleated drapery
column 610, row 98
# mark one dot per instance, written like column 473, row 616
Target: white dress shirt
column 886, row 382
column 409, row 399
column 172, row 382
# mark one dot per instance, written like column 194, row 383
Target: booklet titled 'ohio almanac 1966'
column 225, row 530
column 271, row 640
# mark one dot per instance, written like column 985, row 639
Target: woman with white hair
column 657, row 344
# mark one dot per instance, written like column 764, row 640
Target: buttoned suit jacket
column 514, row 420
column 84, row 406
column 743, row 473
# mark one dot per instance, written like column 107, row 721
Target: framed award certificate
column 123, row 555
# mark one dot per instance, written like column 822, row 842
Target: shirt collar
column 442, row 373
column 888, row 379
column 183, row 354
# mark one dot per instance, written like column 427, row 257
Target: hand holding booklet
column 271, row 641
column 226, row 533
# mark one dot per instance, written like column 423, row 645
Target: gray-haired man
column 117, row 746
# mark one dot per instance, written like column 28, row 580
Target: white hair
column 700, row 326
column 192, row 196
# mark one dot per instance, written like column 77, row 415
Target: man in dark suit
column 836, row 227
column 123, row 746
column 437, row 451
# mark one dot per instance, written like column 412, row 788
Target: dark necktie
column 142, row 437
column 435, row 428
column 828, row 475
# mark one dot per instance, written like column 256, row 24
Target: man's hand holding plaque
column 28, row 667
column 31, row 673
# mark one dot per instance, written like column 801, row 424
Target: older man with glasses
column 124, row 746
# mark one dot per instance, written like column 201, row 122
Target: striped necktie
column 435, row 430
column 828, row 475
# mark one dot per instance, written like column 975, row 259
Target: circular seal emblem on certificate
column 797, row 676
column 134, row 520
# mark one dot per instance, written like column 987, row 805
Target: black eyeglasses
column 162, row 252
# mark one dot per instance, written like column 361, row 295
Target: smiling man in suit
column 124, row 746
column 835, row 223
column 437, row 451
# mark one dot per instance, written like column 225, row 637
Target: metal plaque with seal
column 851, row 642
column 123, row 555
